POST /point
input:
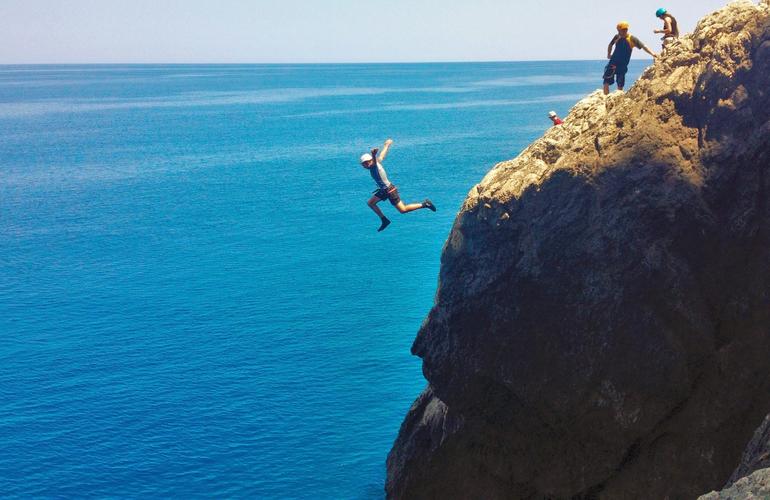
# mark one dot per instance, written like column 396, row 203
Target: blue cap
column 660, row 12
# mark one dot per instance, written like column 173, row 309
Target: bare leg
column 408, row 208
column 666, row 41
column 373, row 205
column 384, row 221
column 606, row 89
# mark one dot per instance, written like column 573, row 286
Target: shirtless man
column 385, row 189
column 670, row 29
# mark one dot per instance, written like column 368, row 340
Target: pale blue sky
column 230, row 31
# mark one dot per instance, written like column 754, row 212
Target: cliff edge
column 602, row 323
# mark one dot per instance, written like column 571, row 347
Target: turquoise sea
column 194, row 300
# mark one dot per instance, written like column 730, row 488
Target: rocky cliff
column 602, row 323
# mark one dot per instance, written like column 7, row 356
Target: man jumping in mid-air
column 385, row 189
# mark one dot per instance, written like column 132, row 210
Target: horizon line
column 319, row 63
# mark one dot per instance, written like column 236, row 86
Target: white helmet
column 552, row 114
column 366, row 157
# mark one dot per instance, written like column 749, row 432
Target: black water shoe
column 429, row 205
column 385, row 223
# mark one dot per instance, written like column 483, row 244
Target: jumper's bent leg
column 401, row 207
column 373, row 205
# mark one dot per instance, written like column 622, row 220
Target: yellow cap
column 623, row 25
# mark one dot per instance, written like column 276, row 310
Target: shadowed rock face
column 757, row 453
column 602, row 324
column 752, row 477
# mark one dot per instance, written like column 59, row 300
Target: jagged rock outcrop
column 752, row 477
column 757, row 454
column 602, row 323
column 753, row 487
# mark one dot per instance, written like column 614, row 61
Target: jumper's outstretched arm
column 385, row 149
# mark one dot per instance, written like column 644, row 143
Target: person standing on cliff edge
column 619, row 59
column 385, row 189
column 670, row 29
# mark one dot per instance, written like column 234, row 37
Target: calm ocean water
column 194, row 300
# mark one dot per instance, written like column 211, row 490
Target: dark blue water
column 194, row 300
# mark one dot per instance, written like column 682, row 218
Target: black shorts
column 388, row 194
column 612, row 71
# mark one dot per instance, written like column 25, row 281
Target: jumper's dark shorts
column 611, row 71
column 388, row 194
